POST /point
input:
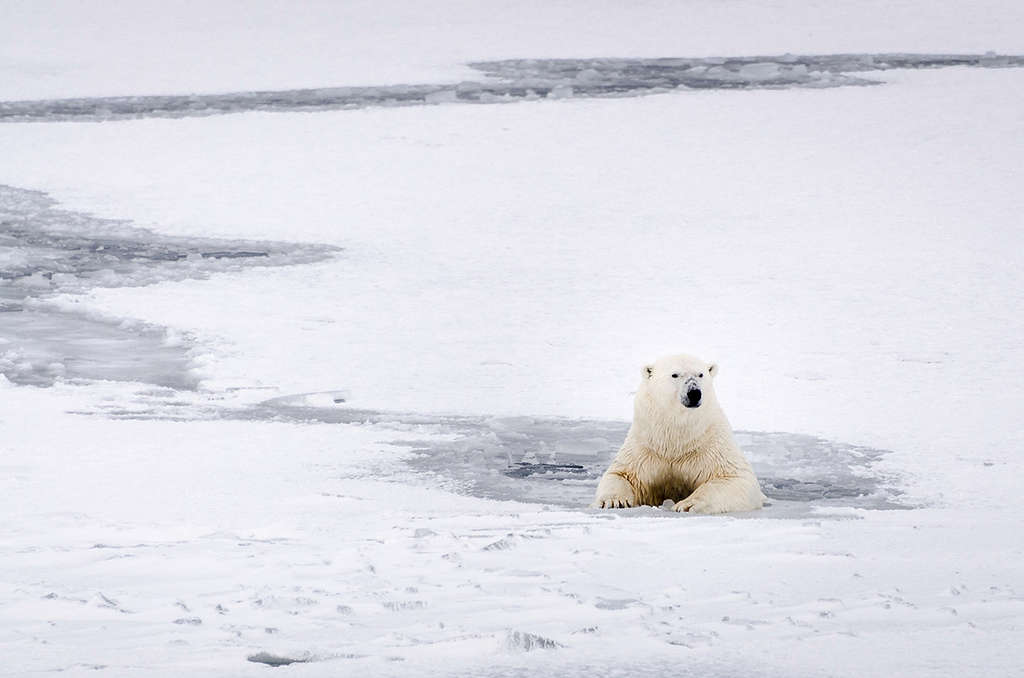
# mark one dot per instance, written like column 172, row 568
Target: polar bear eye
column 675, row 376
column 701, row 375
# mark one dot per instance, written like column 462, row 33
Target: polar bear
column 680, row 446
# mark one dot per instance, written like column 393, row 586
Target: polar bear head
column 680, row 384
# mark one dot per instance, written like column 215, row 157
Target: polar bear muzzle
column 691, row 398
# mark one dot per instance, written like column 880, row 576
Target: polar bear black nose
column 693, row 398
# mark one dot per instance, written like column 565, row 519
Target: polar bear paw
column 698, row 505
column 610, row 501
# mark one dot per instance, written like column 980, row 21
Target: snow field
column 198, row 544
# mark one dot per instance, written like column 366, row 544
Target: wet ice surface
column 44, row 250
column 558, row 461
column 39, row 345
column 519, row 79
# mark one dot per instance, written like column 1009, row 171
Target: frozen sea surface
column 520, row 79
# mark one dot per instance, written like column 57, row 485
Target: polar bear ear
column 713, row 370
column 647, row 372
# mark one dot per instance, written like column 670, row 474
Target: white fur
column 673, row 452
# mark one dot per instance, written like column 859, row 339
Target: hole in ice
column 559, row 461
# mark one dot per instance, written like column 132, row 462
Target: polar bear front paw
column 696, row 505
column 614, row 492
column 614, row 501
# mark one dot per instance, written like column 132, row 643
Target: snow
column 371, row 452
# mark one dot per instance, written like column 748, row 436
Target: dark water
column 517, row 80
